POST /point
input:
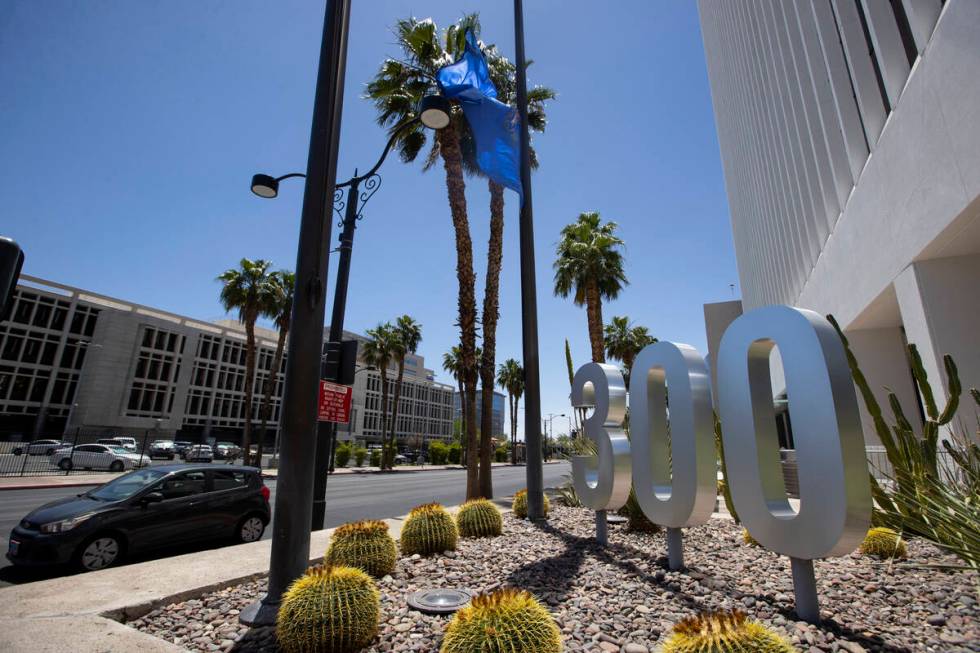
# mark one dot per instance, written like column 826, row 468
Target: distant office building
column 497, row 421
column 850, row 141
column 73, row 359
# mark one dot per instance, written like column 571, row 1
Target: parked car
column 227, row 451
column 111, row 442
column 40, row 448
column 163, row 449
column 152, row 508
column 128, row 442
column 180, row 446
column 97, row 456
column 400, row 459
column 199, row 453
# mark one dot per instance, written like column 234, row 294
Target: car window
column 118, row 449
column 126, row 486
column 227, row 480
column 183, row 485
column 89, row 448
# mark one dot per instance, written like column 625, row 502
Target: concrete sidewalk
column 78, row 480
column 83, row 612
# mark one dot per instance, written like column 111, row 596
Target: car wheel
column 18, row 451
column 65, row 464
column 99, row 552
column 251, row 529
column 117, row 466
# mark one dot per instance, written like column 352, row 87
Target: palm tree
column 408, row 335
column 280, row 309
column 590, row 264
column 510, row 377
column 377, row 352
column 502, row 74
column 623, row 342
column 396, row 91
column 247, row 289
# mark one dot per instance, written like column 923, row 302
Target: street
column 350, row 497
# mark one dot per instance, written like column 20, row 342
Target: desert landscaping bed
column 622, row 597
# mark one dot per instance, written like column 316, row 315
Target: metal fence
column 64, row 453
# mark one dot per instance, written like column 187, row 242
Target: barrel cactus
column 520, row 504
column 884, row 542
column 429, row 529
column 479, row 518
column 724, row 632
column 506, row 620
column 363, row 544
column 328, row 610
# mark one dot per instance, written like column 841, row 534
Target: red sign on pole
column 334, row 404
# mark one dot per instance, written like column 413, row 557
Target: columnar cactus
column 748, row 539
column 884, row 542
column 429, row 529
column 479, row 518
column 506, row 620
column 363, row 544
column 724, row 632
column 520, row 504
column 328, row 610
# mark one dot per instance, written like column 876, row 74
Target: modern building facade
column 497, row 421
column 850, row 142
column 72, row 360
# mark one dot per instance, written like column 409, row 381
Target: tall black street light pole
column 433, row 113
column 291, row 531
column 529, row 296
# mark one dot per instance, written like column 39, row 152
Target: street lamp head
column 265, row 186
column 434, row 111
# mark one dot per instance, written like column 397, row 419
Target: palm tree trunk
column 491, row 313
column 390, row 455
column 384, row 414
column 462, row 419
column 249, row 389
column 456, row 189
column 270, row 384
column 513, row 429
column 593, row 311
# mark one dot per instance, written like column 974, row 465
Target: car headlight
column 63, row 525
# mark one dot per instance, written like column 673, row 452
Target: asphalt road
column 350, row 497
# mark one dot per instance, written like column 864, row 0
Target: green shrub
column 479, row 518
column 724, row 632
column 500, row 454
column 506, row 620
column 636, row 520
column 333, row 609
column 566, row 493
column 455, row 453
column 520, row 504
column 359, row 455
column 342, row 455
column 429, row 529
column 365, row 545
column 884, row 543
column 438, row 453
column 375, row 460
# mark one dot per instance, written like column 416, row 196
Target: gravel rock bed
column 622, row 597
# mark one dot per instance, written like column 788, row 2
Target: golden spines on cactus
column 363, row 544
column 520, row 504
column 479, row 518
column 884, row 542
column 328, row 610
column 506, row 620
column 724, row 632
column 429, row 529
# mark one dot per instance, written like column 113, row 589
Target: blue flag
column 494, row 124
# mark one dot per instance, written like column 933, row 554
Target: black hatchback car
column 150, row 508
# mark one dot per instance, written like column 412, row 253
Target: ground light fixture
column 439, row 600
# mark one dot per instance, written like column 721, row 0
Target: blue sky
column 129, row 132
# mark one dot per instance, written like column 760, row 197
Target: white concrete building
column 850, row 141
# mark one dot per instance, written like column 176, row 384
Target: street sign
column 334, row 403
